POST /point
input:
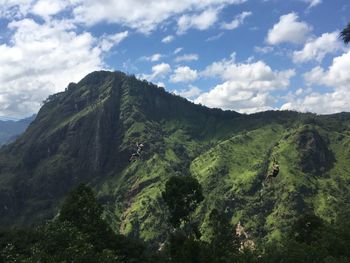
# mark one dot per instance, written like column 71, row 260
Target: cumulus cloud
column 317, row 49
column 184, row 74
column 237, row 21
column 186, row 57
column 42, row 59
column 15, row 8
column 246, row 87
column 337, row 78
column 108, row 41
column 288, row 30
column 47, row 8
column 189, row 93
column 158, row 71
column 168, row 39
column 201, row 21
column 143, row 16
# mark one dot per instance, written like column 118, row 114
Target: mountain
column 88, row 132
column 11, row 129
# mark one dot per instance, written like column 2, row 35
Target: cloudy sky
column 243, row 55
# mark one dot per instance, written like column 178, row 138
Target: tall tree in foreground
column 82, row 210
column 224, row 243
column 345, row 34
column 182, row 195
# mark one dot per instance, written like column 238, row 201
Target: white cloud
column 168, row 39
column 108, row 41
column 161, row 84
column 215, row 37
column 288, row 30
column 189, row 93
column 246, row 87
column 15, row 8
column 186, row 57
column 263, row 50
column 317, row 49
column 178, row 50
column 237, row 21
column 143, row 16
column 184, row 74
column 201, row 21
column 42, row 59
column 156, row 57
column 337, row 78
column 313, row 3
column 153, row 58
column 47, row 8
column 158, row 71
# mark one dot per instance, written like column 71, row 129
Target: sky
column 241, row 55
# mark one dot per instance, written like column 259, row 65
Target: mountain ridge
column 87, row 133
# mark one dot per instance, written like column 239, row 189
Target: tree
column 345, row 34
column 307, row 228
column 223, row 241
column 82, row 210
column 182, row 195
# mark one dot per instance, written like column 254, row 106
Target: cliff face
column 87, row 134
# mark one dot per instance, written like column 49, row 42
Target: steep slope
column 10, row 130
column 87, row 133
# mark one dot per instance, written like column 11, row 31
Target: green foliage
column 345, row 34
column 83, row 211
column 87, row 133
column 187, row 249
column 182, row 195
column 78, row 235
column 223, row 240
column 306, row 228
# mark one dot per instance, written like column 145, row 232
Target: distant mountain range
column 10, row 129
column 88, row 133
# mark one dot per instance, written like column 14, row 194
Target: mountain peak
column 87, row 134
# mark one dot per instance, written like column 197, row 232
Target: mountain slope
column 87, row 133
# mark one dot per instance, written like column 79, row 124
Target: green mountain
column 88, row 133
column 10, row 129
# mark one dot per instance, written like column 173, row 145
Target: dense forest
column 79, row 234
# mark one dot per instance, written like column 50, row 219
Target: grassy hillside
column 87, row 133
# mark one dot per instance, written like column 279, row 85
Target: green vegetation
column 87, row 133
column 345, row 34
column 70, row 238
column 182, row 195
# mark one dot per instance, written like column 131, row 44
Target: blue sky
column 243, row 55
